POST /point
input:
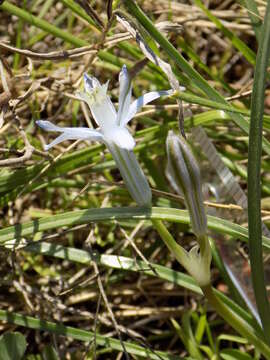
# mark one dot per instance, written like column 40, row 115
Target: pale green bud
column 184, row 175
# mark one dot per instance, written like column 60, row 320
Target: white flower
column 112, row 125
column 112, row 129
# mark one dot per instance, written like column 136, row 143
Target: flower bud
column 184, row 175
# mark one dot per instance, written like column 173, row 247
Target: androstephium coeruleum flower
column 112, row 129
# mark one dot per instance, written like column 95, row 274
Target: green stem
column 168, row 239
column 235, row 321
column 254, row 177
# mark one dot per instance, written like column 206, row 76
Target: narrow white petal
column 103, row 112
column 69, row 133
column 125, row 90
column 56, row 141
column 95, row 95
column 48, row 126
column 143, row 100
column 83, row 134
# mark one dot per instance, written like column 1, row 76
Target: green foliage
column 12, row 346
column 49, row 353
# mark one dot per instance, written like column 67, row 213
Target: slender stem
column 168, row 239
column 254, row 177
column 235, row 321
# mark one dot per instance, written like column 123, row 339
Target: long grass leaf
column 82, row 335
column 19, row 231
column 254, row 177
column 254, row 16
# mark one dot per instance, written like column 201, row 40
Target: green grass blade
column 79, row 11
column 127, row 264
column 254, row 16
column 115, row 262
column 40, row 35
column 18, row 231
column 82, row 335
column 254, row 177
column 193, row 56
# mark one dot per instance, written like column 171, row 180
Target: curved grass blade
column 83, row 335
column 128, row 264
column 115, row 262
column 19, row 231
column 80, row 12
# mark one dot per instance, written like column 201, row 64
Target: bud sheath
column 184, row 175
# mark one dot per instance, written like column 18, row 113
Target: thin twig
column 54, row 55
column 29, row 149
column 137, row 250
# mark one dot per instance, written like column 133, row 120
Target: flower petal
column 124, row 94
column 69, row 133
column 143, row 100
column 48, row 126
column 95, row 95
column 90, row 82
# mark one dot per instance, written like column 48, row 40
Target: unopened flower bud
column 184, row 174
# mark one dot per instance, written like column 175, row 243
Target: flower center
column 120, row 136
